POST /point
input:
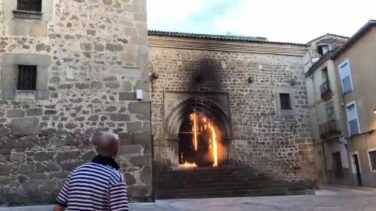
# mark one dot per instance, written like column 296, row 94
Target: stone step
column 210, row 183
column 233, row 193
column 212, row 187
column 221, row 182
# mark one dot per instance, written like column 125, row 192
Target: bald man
column 97, row 185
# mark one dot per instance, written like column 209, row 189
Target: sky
column 278, row 20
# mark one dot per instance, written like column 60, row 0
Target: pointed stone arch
column 201, row 105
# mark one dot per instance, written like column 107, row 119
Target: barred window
column 27, row 77
column 29, row 5
column 285, row 101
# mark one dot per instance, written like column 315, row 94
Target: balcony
column 326, row 92
column 330, row 129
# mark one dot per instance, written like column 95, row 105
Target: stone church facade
column 72, row 68
column 243, row 78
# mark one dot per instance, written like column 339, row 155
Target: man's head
column 107, row 144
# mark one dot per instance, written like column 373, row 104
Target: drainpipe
column 317, row 119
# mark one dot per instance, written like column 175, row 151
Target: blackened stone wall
column 253, row 74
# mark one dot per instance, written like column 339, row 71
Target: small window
column 27, row 77
column 372, row 158
column 323, row 49
column 346, row 80
column 352, row 119
column 29, row 5
column 285, row 101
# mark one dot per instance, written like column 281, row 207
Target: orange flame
column 194, row 129
column 188, row 165
column 215, row 147
column 202, row 127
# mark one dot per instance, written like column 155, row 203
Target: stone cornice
column 227, row 46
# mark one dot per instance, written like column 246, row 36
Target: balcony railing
column 326, row 92
column 330, row 129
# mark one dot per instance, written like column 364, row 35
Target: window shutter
column 352, row 119
column 345, row 74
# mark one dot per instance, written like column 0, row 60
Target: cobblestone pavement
column 330, row 198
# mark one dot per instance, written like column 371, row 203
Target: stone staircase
column 226, row 181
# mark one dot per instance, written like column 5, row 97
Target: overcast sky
column 278, row 20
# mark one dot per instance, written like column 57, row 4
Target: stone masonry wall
column 98, row 58
column 263, row 138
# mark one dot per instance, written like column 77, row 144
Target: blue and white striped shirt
column 96, row 185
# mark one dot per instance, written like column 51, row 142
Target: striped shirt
column 97, row 185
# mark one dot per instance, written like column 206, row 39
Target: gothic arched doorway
column 200, row 141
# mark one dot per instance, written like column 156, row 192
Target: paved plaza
column 330, row 198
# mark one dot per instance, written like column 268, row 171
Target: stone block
column 120, row 117
column 82, row 86
column 16, row 142
column 127, row 86
column 93, row 118
column 43, row 47
column 52, row 167
column 139, row 108
column 26, row 169
column 107, row 2
column 50, row 112
column 71, row 126
column 68, row 155
column 25, row 126
column 44, row 156
column 71, row 141
column 130, row 149
column 141, row 138
column 134, row 127
column 5, row 169
column 38, row 30
column 127, row 96
column 142, row 85
column 125, row 138
column 86, row 46
column 15, row 113
column 112, row 84
column 34, row 112
column 111, row 108
column 27, row 59
column 96, row 85
column 19, row 157
column 114, row 47
column 4, row 132
column 71, row 166
column 98, row 47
